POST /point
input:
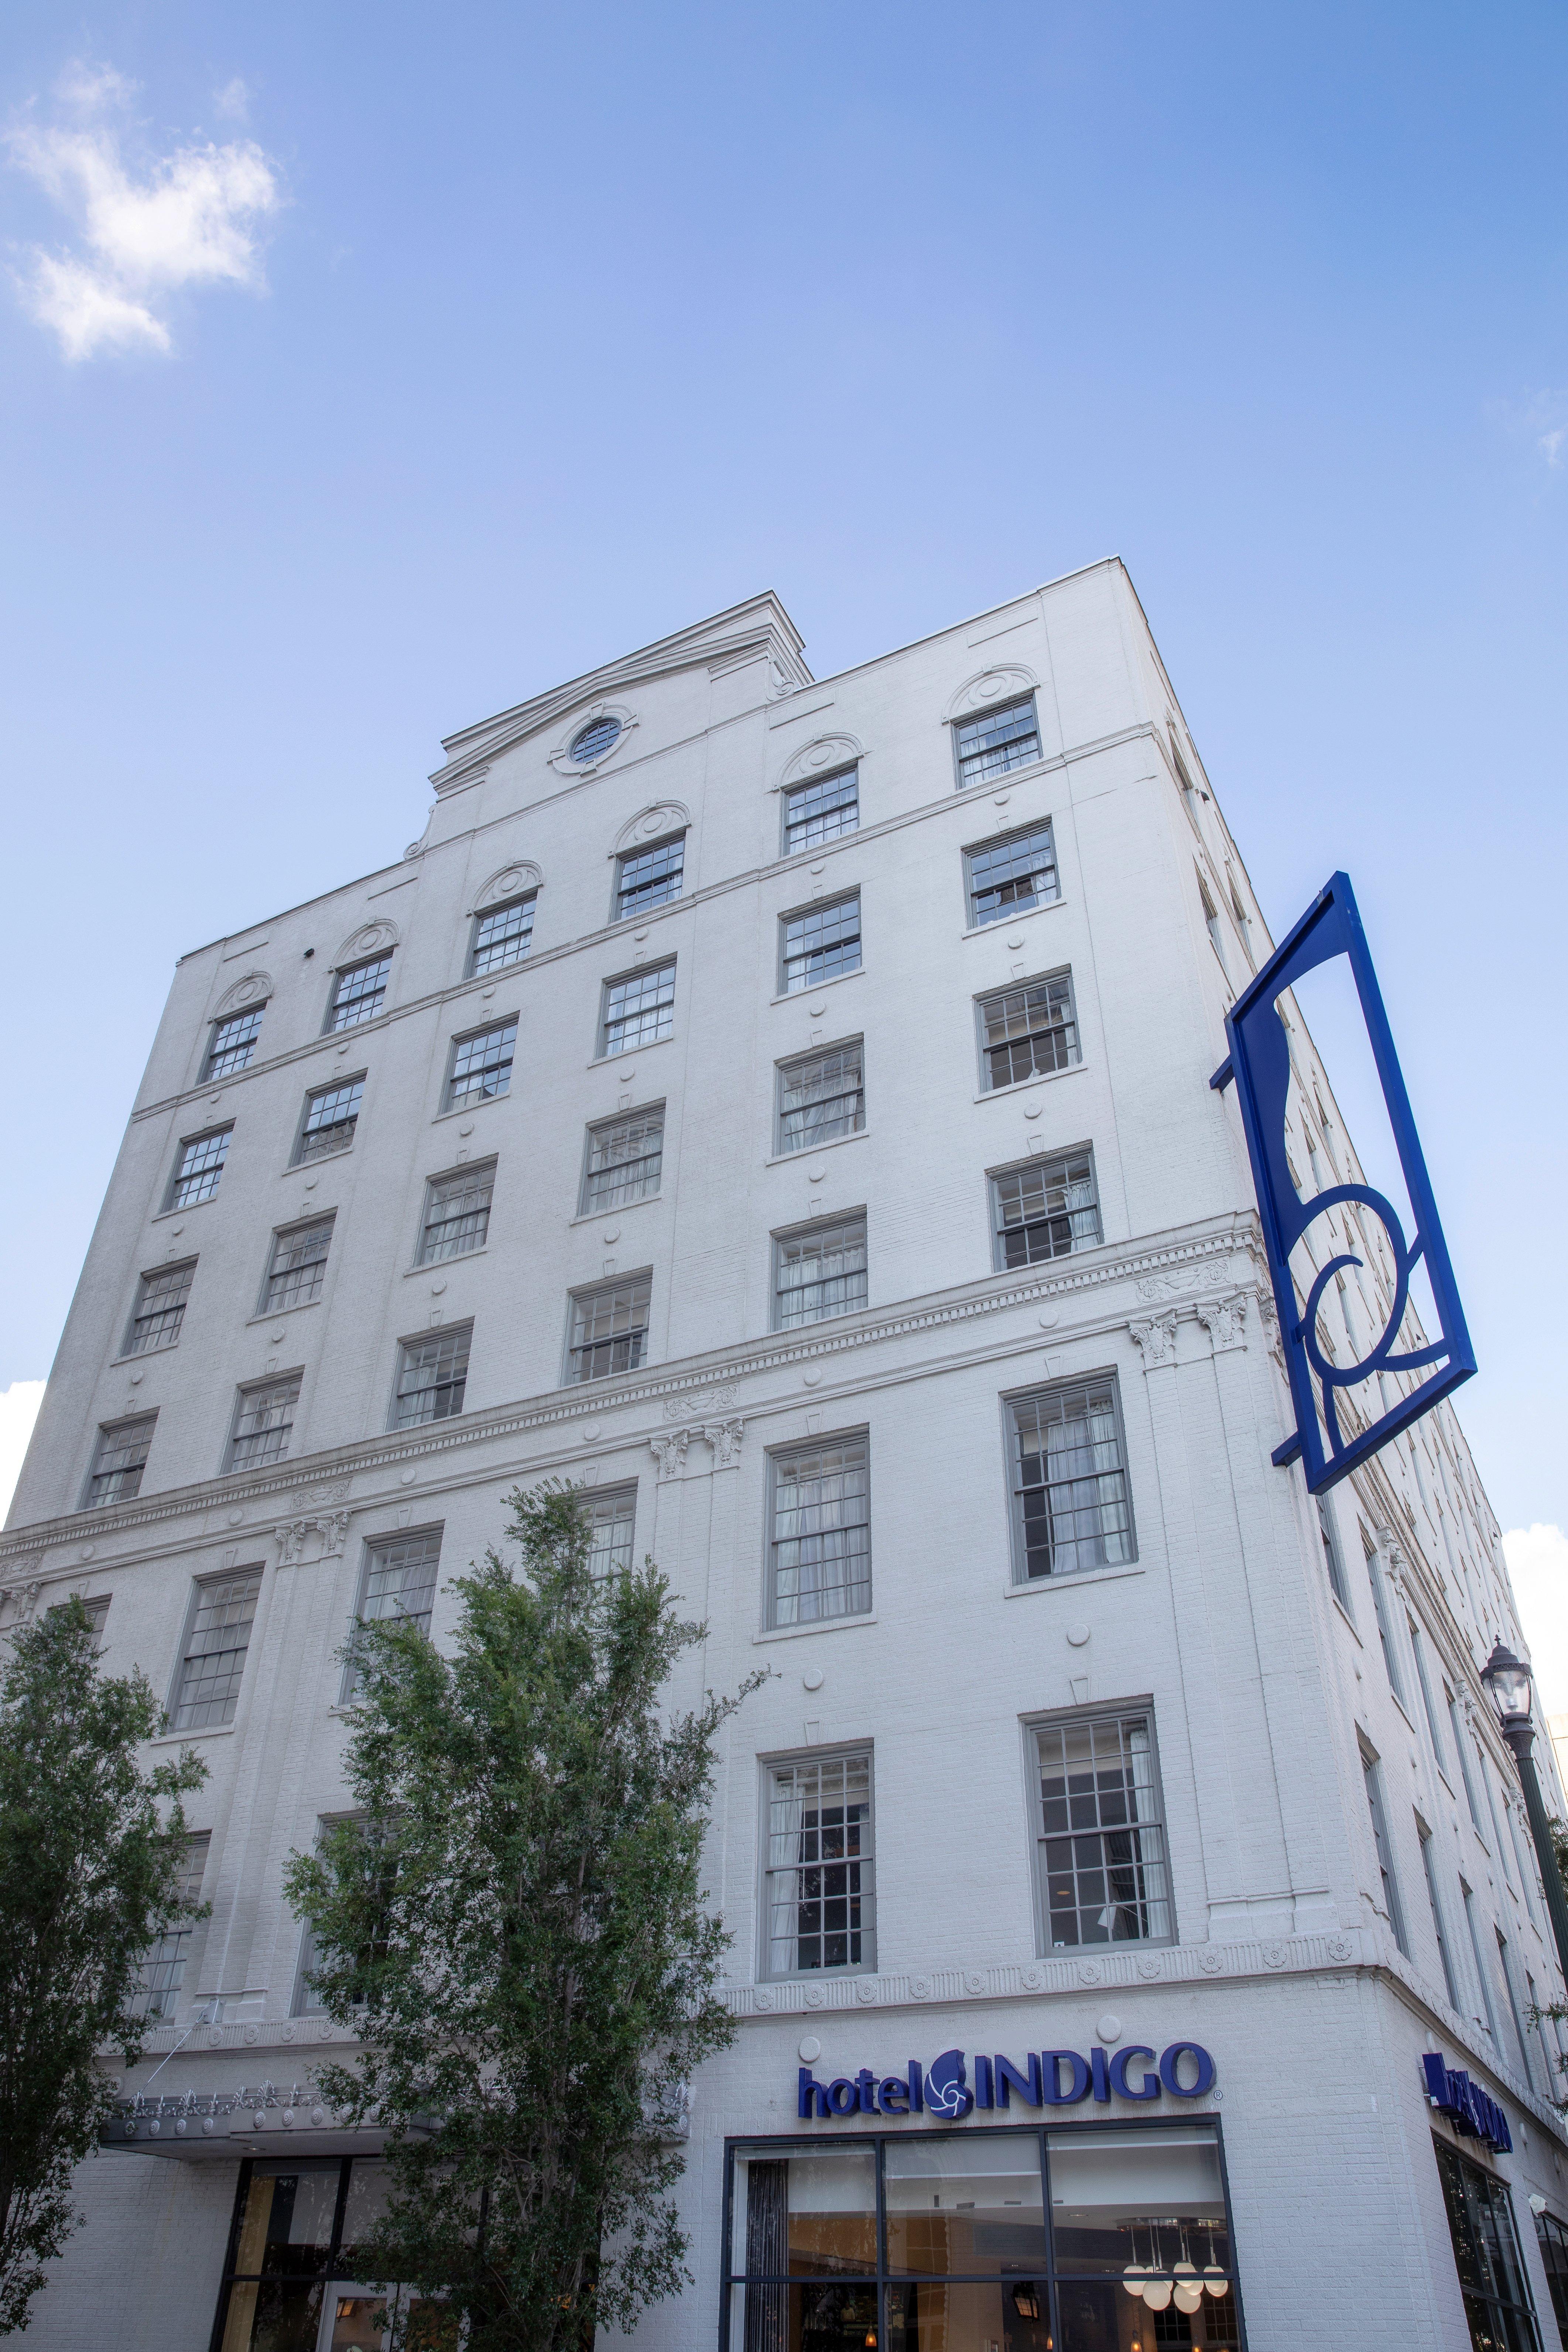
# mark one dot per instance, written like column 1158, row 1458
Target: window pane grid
column 1029, row 1031
column 821, row 1533
column 649, row 877
column 482, row 1065
column 160, row 1308
column 201, row 1165
column 596, row 737
column 820, row 1890
column 820, row 1273
column 639, row 1009
column 1102, row 1841
column 433, row 1377
column 996, row 741
column 399, row 1583
column 1007, row 876
column 626, row 1159
column 263, row 1421
column 610, row 1329
column 298, row 1267
column 330, row 1118
column 456, row 1215
column 1070, row 1483
column 213, row 1663
column 163, row 1963
column 822, row 943
column 502, row 935
column 120, row 1458
column 359, row 993
column 822, row 810
column 232, row 1044
column 611, row 1519
column 1045, row 1210
column 820, row 1097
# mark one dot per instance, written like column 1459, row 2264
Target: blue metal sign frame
column 1259, row 1062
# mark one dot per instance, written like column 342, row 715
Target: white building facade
column 784, row 1106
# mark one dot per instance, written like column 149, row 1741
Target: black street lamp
column 1508, row 1683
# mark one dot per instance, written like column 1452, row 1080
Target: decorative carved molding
column 509, row 882
column 370, row 940
column 293, row 1534
column 1156, row 1288
column 669, row 1450
column 18, row 1602
column 700, row 1401
column 651, row 823
column 1157, row 1338
column 1225, row 1321
column 255, row 988
column 560, row 759
column 1004, row 682
column 820, row 758
column 725, row 1437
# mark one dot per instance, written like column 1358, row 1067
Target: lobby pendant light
column 1186, row 2293
column 1157, row 2293
column 1133, row 2277
column 1215, row 2280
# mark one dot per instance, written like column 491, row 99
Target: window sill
column 1349, row 1620
column 1018, row 915
column 317, row 1160
column 797, row 995
column 821, row 1626
column 1040, row 1078
column 143, row 1355
column 1006, row 780
column 438, row 1266
column 298, row 1307
column 809, row 1151
column 163, row 1214
column 467, row 1110
column 1073, row 1581
column 597, row 1216
column 608, row 1061
column 179, row 1738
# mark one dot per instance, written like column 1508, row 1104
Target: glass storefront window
column 1497, row 2304
column 295, row 2283
column 967, row 2241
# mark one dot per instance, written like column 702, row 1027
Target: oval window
column 595, row 740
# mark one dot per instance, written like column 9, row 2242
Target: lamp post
column 1508, row 1683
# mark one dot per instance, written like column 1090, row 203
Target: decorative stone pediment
column 254, row 989
column 820, row 757
column 370, row 940
column 652, row 824
column 1005, row 683
column 560, row 757
column 510, row 882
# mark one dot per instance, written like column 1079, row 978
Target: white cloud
column 1538, row 1567
column 18, row 1410
column 1553, row 444
column 233, row 99
column 192, row 217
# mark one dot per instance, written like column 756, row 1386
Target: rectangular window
column 163, row 1963
column 206, row 1689
column 1552, row 2240
column 820, row 1097
column 481, row 1066
column 1498, row 2306
column 638, row 1010
column 97, row 1613
column 1523, row 1855
column 821, row 944
column 818, row 1273
column 1373, row 1778
column 432, row 1377
column 1027, row 1032
column 358, row 993
column 502, row 935
column 232, row 1043
column 160, row 1308
column 1496, row 1844
column 1384, row 1627
column 398, row 1581
column 1069, row 1501
column 1456, row 1728
column 298, row 1267
column 1332, row 1558
column 819, row 1547
column 1009, row 876
column 1045, row 1209
column 996, row 741
column 819, row 1901
column 1423, row 1837
column 1419, row 1654
column 263, row 1421
column 1482, row 1978
column 1211, row 925
column 820, row 811
column 612, row 1521
column 1100, row 1840
column 1515, row 2006
column 456, row 1213
column 332, row 1115
column 198, row 1168
column 649, row 877
column 119, row 1459
column 608, row 1328
column 626, row 1159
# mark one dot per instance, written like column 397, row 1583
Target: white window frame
column 956, row 725
column 105, row 1428
column 570, row 1379
column 300, row 1157
column 850, row 1751
column 246, row 1389
column 331, row 1026
column 597, row 1127
column 781, row 1242
column 781, row 1070
column 438, row 1332
column 622, row 1490
column 281, row 1236
column 482, row 914
column 803, row 784
column 370, row 1549
column 257, row 1013
column 629, row 856
column 1012, row 988
column 605, row 1052
column 471, row 1171
column 202, row 1134
column 1119, row 1712
column 185, row 1266
column 1019, row 1549
column 1042, row 1163
column 255, row 1572
column 778, row 1456
column 972, row 918
column 807, row 987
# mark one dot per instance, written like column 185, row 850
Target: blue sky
column 465, row 347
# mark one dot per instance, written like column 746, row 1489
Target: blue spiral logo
column 946, row 2088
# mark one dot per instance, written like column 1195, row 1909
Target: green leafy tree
column 513, row 1925
column 93, row 1850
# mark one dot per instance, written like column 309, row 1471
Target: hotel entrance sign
column 1332, row 1438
